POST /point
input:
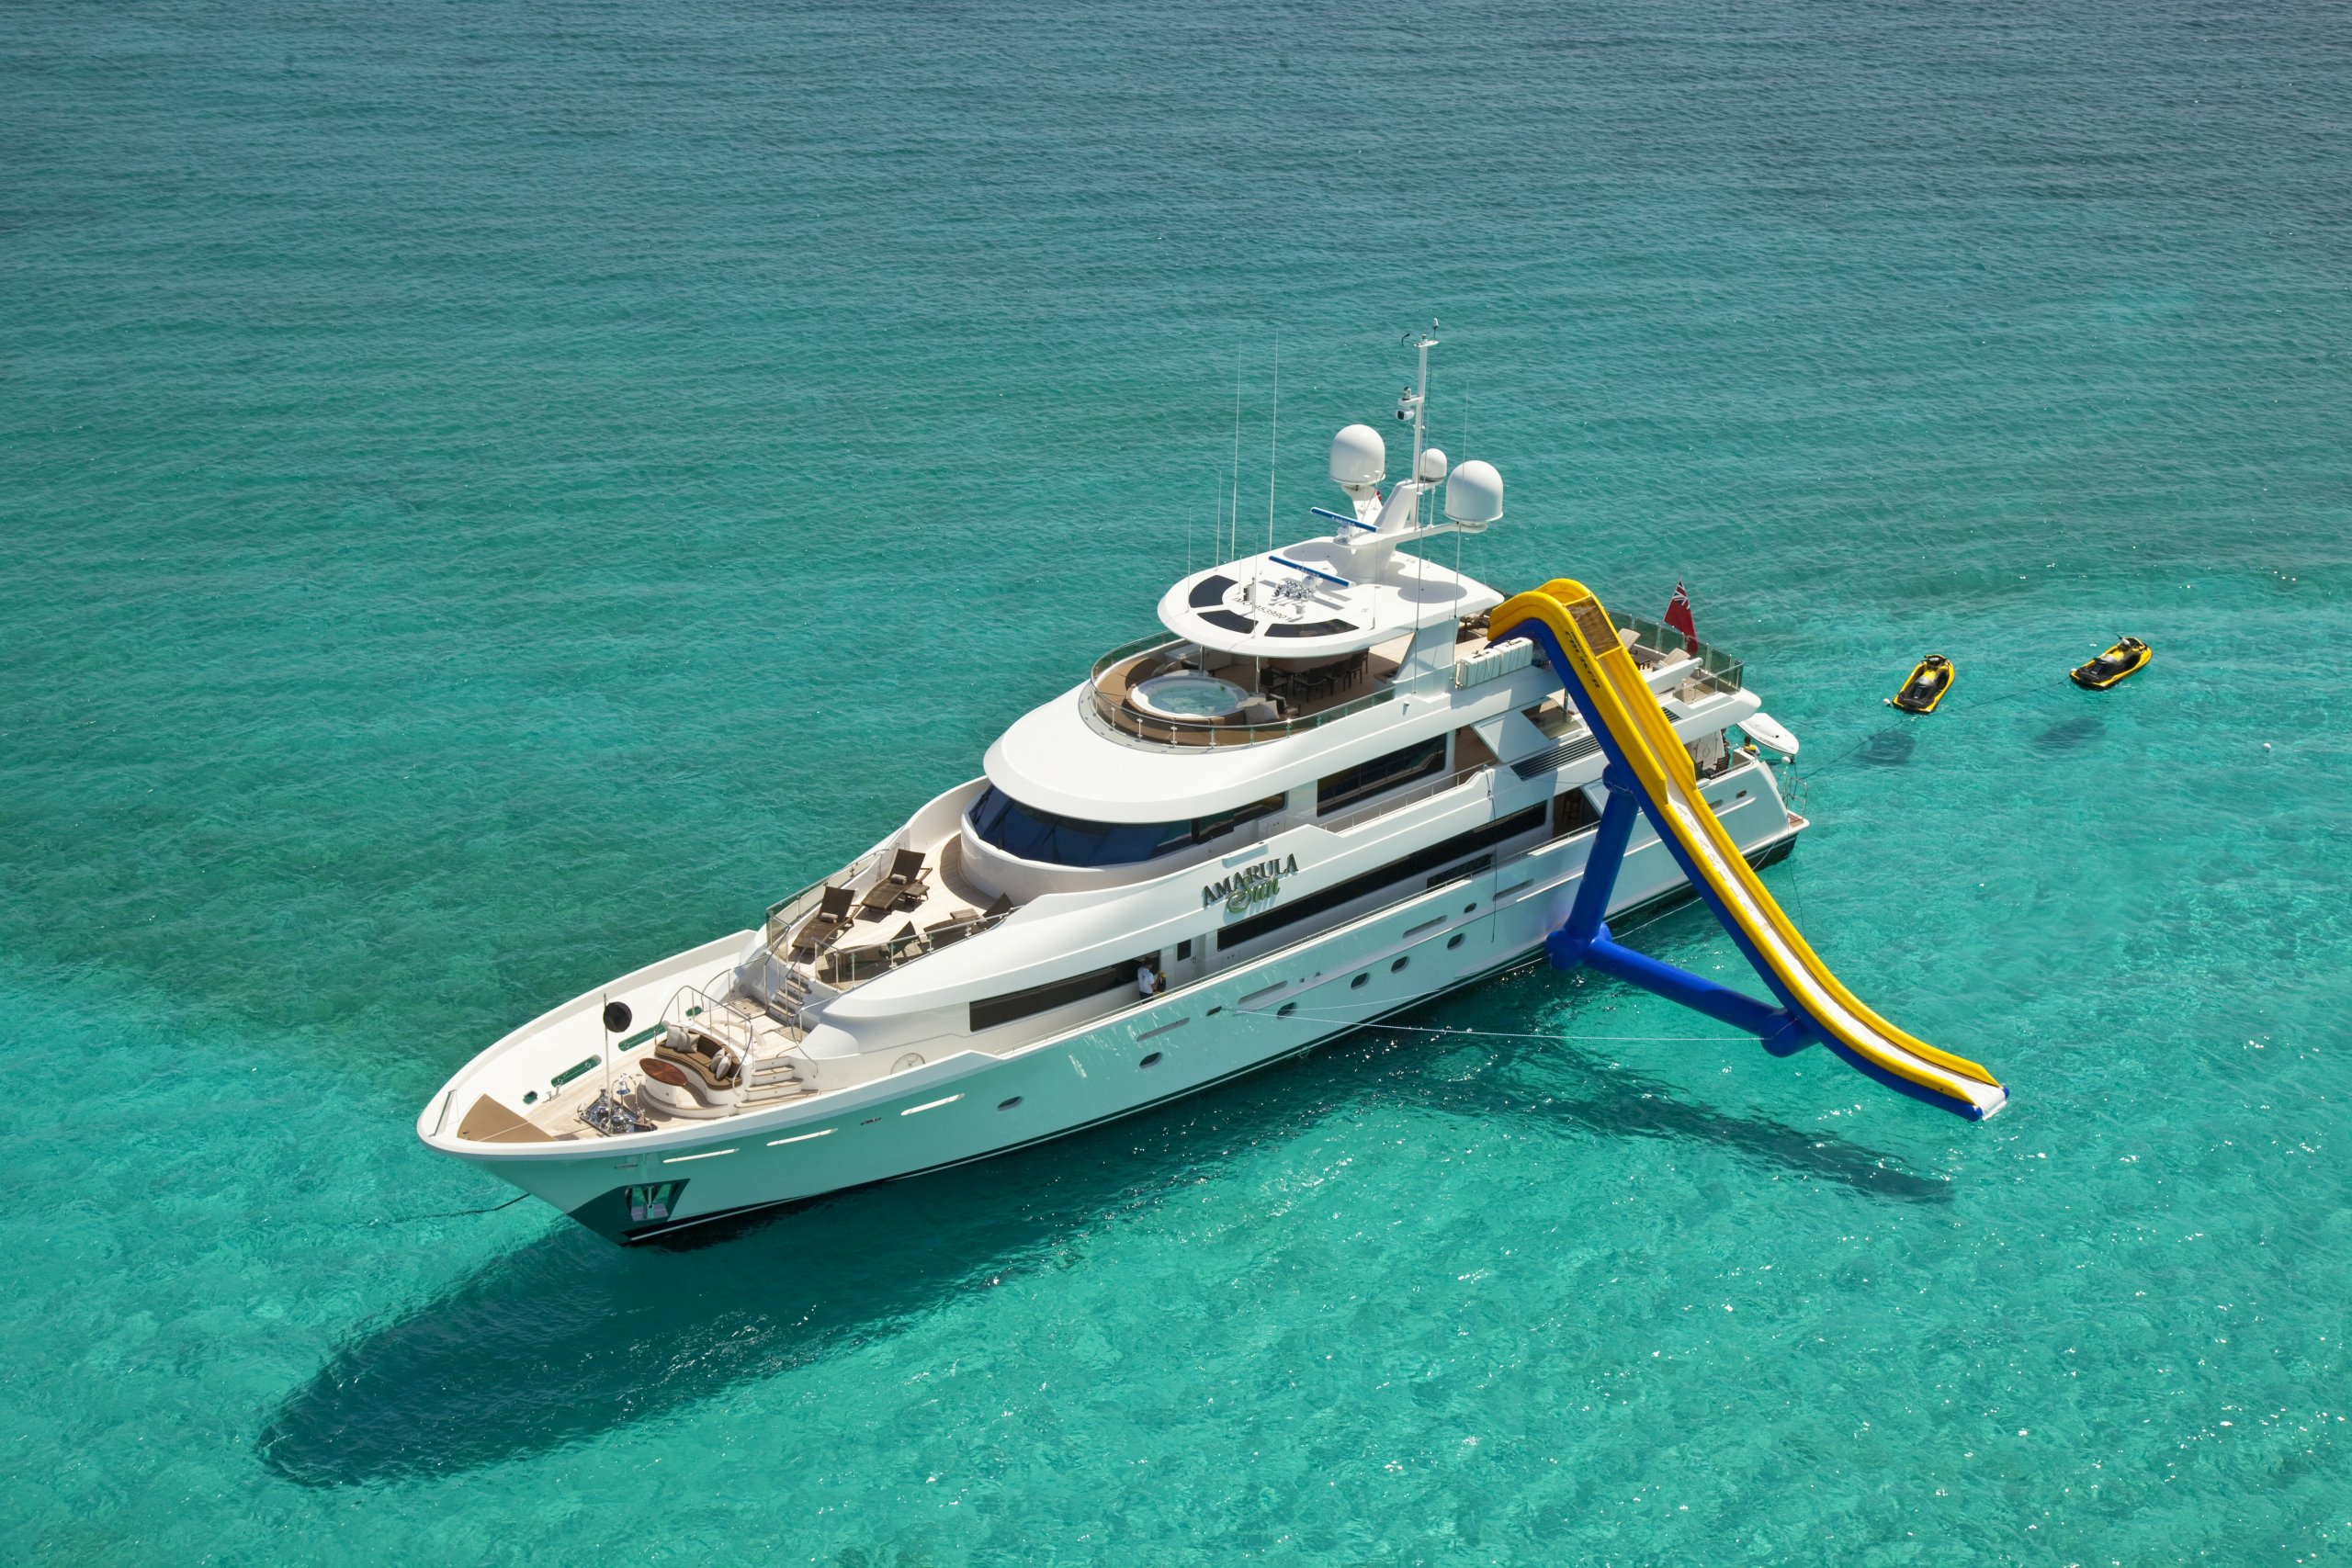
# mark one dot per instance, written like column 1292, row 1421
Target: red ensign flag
column 1678, row 614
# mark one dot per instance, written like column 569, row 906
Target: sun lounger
column 832, row 917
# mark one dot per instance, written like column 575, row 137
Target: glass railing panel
column 1718, row 670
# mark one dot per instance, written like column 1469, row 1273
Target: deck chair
column 907, row 875
column 901, row 887
column 833, row 918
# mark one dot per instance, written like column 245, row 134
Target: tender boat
column 2126, row 658
column 1319, row 794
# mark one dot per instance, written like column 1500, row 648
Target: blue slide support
column 1591, row 909
column 1585, row 939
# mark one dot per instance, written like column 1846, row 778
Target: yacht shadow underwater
column 569, row 1336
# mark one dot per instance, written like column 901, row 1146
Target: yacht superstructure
column 1318, row 794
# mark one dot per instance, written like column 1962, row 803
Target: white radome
column 1359, row 456
column 1433, row 466
column 1474, row 497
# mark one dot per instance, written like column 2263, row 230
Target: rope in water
column 451, row 1213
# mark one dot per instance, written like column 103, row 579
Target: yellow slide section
column 1622, row 703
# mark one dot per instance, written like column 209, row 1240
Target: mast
column 1423, row 341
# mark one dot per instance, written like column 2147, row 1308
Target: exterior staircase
column 774, row 1072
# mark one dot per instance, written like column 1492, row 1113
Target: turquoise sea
column 491, row 494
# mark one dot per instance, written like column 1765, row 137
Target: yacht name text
column 1252, row 885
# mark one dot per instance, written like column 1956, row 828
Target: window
column 1478, row 867
column 1350, row 784
column 1183, row 950
column 1024, row 830
column 1420, row 863
column 1218, row 824
column 1572, row 812
column 994, row 1010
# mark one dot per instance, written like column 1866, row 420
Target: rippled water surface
column 493, row 494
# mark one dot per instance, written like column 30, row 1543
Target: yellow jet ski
column 1930, row 678
column 2128, row 657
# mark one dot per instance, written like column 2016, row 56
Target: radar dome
column 1433, row 465
column 1359, row 456
column 1474, row 496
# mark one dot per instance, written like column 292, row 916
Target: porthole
column 1360, row 982
column 1454, row 941
column 1398, row 967
column 1285, row 1010
column 1469, row 908
column 1008, row 1104
column 1150, row 1061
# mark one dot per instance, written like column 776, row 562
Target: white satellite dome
column 1474, row 496
column 1433, row 465
column 1358, row 457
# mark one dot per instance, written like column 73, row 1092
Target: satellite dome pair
column 1474, row 497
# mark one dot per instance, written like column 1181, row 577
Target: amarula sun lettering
column 1250, row 885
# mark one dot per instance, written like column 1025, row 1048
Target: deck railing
column 1113, row 717
column 1717, row 672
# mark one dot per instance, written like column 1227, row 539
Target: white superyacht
column 1318, row 794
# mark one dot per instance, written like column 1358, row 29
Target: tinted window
column 1032, row 834
column 1221, row 822
column 1350, row 784
column 1058, row 993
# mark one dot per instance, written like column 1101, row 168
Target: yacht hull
column 975, row 1104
